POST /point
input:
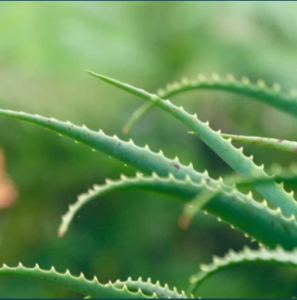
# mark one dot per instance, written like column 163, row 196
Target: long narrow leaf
column 273, row 192
column 282, row 175
column 271, row 96
column 93, row 288
column 261, row 256
column 255, row 219
column 146, row 161
column 141, row 158
column 279, row 144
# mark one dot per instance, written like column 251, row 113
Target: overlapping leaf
column 279, row 144
column 273, row 192
column 255, row 219
column 129, row 289
column 268, row 95
column 261, row 256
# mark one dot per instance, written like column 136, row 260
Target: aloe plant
column 279, row 144
column 271, row 222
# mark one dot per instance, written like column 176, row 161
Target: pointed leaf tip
column 124, row 86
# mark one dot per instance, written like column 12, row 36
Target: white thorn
column 293, row 92
column 160, row 92
column 176, row 85
column 215, row 77
column 261, row 83
column 230, row 78
column 155, row 175
column 245, row 81
column 185, row 81
column 276, row 87
column 201, row 78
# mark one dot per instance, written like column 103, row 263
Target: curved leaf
column 169, row 186
column 255, row 219
column 278, row 144
column 273, row 192
column 145, row 160
column 262, row 256
column 268, row 95
column 129, row 153
column 149, row 288
column 81, row 285
column 141, row 158
column 282, row 175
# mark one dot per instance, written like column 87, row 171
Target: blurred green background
column 44, row 48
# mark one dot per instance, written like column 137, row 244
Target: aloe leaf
column 273, row 192
column 129, row 153
column 262, row 256
column 282, row 175
column 168, row 186
column 83, row 286
column 137, row 114
column 141, row 158
column 268, row 95
column 278, row 144
column 255, row 219
column 149, row 288
column 93, row 288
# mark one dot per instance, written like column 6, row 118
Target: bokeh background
column 44, row 48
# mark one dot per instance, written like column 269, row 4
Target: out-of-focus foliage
column 43, row 51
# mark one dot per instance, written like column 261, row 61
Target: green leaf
column 148, row 288
column 255, row 219
column 273, row 192
column 83, row 286
column 278, row 144
column 262, row 256
column 282, row 175
column 146, row 161
column 141, row 158
column 268, row 95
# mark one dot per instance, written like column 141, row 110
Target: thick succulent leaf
column 148, row 288
column 131, row 154
column 262, row 256
column 273, row 192
column 164, row 185
column 255, row 219
column 141, row 158
column 278, row 144
column 281, row 175
column 268, row 95
column 91, row 288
